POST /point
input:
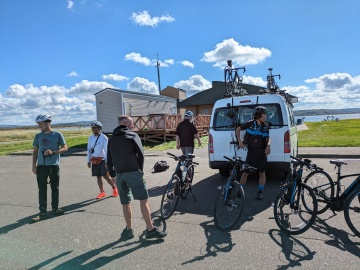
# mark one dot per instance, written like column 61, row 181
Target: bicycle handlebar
column 182, row 158
column 307, row 163
column 241, row 162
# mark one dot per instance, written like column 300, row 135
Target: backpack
column 160, row 166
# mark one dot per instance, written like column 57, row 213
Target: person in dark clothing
column 185, row 134
column 257, row 141
column 126, row 156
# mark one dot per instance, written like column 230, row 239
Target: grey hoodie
column 125, row 151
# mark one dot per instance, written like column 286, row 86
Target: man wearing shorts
column 126, row 157
column 257, row 141
column 96, row 159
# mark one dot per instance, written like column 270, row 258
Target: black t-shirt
column 186, row 131
column 256, row 136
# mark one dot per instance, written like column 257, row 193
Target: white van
column 234, row 111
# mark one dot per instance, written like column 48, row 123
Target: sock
column 261, row 187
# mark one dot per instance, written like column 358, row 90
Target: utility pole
column 158, row 72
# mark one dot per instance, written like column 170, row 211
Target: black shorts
column 258, row 160
column 99, row 169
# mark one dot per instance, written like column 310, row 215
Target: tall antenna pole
column 158, row 71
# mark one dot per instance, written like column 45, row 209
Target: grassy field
column 344, row 133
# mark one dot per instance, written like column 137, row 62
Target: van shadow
column 205, row 192
column 76, row 207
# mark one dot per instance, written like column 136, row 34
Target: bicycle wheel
column 238, row 82
column 323, row 186
column 229, row 204
column 293, row 217
column 188, row 182
column 170, row 197
column 352, row 212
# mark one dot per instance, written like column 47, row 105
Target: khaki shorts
column 131, row 183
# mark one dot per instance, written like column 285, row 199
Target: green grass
column 344, row 133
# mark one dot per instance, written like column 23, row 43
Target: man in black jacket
column 126, row 157
column 185, row 134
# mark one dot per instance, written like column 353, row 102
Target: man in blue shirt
column 48, row 145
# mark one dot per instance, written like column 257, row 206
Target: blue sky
column 54, row 55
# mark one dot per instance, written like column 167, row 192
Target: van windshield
column 229, row 118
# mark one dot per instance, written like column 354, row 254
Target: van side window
column 223, row 119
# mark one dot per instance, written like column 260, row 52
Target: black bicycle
column 229, row 202
column 295, row 208
column 179, row 184
column 329, row 195
column 271, row 84
column 233, row 81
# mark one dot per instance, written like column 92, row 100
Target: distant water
column 320, row 118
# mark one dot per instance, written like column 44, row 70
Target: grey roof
column 211, row 95
column 134, row 93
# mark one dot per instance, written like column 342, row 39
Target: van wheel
column 224, row 172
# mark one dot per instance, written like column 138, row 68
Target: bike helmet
column 43, row 118
column 189, row 114
column 258, row 111
column 96, row 124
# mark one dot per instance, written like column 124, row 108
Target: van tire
column 224, row 172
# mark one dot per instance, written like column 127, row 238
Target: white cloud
column 70, row 4
column 137, row 58
column 254, row 81
column 114, row 77
column 143, row 85
column 143, row 18
column 332, row 91
column 194, row 84
column 187, row 63
column 72, row 74
column 239, row 54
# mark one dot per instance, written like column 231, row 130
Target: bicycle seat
column 337, row 162
column 190, row 155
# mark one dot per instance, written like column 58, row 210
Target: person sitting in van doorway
column 257, row 141
column 97, row 148
column 185, row 134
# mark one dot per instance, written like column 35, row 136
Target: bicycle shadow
column 339, row 238
column 72, row 208
column 79, row 261
column 217, row 241
column 293, row 252
column 205, row 192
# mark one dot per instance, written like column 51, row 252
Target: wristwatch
column 54, row 152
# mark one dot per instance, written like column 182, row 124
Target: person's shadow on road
column 72, row 208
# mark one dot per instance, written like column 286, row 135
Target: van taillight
column 211, row 144
column 287, row 143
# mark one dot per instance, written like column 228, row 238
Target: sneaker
column 101, row 195
column 259, row 195
column 39, row 217
column 155, row 233
column 115, row 192
column 127, row 233
column 57, row 211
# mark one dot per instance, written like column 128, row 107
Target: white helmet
column 188, row 114
column 43, row 118
column 96, row 124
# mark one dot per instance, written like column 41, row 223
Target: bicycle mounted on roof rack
column 233, row 81
column 273, row 88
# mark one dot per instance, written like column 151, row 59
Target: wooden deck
column 162, row 127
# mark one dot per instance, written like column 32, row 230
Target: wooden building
column 111, row 103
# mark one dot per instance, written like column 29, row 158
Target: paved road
column 87, row 236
